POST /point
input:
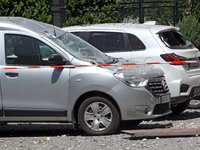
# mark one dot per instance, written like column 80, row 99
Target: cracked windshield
column 81, row 49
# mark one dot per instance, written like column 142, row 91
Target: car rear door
column 30, row 91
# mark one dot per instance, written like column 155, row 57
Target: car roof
column 29, row 25
column 122, row 26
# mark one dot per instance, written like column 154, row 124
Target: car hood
column 142, row 70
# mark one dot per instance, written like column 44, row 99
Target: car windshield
column 80, row 49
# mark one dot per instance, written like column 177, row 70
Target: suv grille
column 161, row 108
column 158, row 86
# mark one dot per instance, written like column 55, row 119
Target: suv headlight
column 131, row 80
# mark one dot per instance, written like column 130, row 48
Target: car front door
column 32, row 91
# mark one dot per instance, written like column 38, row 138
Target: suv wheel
column 98, row 116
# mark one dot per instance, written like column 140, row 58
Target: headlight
column 131, row 80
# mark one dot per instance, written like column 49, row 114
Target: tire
column 100, row 111
column 179, row 108
column 194, row 104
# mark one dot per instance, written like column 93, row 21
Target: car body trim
column 34, row 113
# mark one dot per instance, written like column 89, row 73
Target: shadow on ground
column 62, row 129
column 37, row 129
column 164, row 122
column 186, row 115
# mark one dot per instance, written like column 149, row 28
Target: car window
column 175, row 40
column 136, row 43
column 79, row 34
column 24, row 50
column 45, row 51
column 107, row 41
column 83, row 35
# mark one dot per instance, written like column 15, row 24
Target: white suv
column 150, row 43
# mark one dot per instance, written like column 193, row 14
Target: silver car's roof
column 24, row 24
column 122, row 26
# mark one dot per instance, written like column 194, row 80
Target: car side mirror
column 56, row 59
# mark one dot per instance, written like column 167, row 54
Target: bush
column 32, row 9
column 190, row 28
column 79, row 12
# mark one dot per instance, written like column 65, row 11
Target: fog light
column 144, row 110
column 147, row 110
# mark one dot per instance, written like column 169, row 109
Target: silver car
column 49, row 75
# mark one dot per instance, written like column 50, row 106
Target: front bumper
column 138, row 103
column 176, row 76
column 195, row 92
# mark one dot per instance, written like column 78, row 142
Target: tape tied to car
column 98, row 65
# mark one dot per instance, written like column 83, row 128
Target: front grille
column 161, row 108
column 158, row 86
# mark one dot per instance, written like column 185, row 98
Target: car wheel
column 179, row 108
column 194, row 104
column 98, row 116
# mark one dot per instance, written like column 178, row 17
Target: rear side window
column 175, row 40
column 135, row 42
column 83, row 35
column 79, row 34
column 107, row 41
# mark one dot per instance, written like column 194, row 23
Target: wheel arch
column 92, row 94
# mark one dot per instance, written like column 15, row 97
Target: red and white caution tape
column 117, row 64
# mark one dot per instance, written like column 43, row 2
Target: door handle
column 11, row 74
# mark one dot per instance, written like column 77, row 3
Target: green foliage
column 196, row 8
column 162, row 13
column 184, row 8
column 190, row 28
column 79, row 12
column 153, row 10
column 187, row 8
column 32, row 9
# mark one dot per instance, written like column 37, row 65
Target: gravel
column 61, row 136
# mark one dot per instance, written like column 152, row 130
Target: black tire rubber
column 194, row 106
column 179, row 108
column 115, row 115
